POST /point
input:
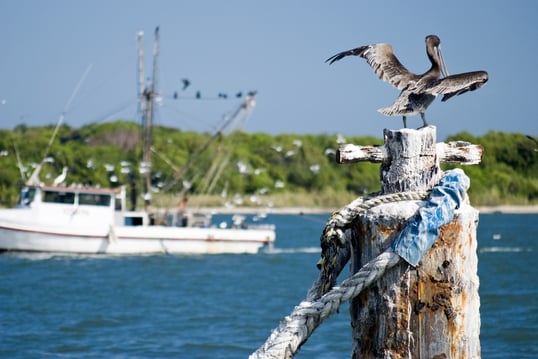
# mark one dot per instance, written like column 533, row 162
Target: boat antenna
column 34, row 178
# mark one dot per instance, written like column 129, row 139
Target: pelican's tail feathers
column 395, row 110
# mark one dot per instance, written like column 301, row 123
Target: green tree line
column 288, row 169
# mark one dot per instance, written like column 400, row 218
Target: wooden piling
column 428, row 311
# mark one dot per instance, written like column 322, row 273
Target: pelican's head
column 433, row 48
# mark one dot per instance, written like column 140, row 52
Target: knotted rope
column 336, row 236
column 323, row 299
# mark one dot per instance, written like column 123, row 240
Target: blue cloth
column 423, row 229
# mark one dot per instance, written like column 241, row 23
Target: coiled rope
column 323, row 299
column 335, row 238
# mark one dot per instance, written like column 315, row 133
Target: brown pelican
column 418, row 91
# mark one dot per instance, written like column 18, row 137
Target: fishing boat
column 94, row 221
column 88, row 220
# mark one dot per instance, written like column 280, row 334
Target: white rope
column 323, row 299
column 286, row 340
column 338, row 232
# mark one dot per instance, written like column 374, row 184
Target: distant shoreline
column 508, row 209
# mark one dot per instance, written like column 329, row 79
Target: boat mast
column 147, row 96
column 141, row 84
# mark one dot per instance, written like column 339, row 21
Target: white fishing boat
column 94, row 221
column 77, row 219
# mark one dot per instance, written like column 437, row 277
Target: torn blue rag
column 423, row 229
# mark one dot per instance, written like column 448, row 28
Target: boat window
column 118, row 205
column 93, row 199
column 27, row 196
column 58, row 197
column 133, row 221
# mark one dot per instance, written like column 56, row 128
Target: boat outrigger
column 76, row 219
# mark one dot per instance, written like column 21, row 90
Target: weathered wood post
column 427, row 311
column 414, row 283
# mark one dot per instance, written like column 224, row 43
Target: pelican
column 418, row 91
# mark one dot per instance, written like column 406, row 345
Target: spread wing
column 458, row 84
column 383, row 61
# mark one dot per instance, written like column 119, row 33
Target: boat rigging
column 80, row 219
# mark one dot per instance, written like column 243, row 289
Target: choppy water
column 224, row 306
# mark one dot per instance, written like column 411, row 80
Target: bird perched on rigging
column 418, row 91
column 61, row 178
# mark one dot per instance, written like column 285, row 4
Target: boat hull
column 135, row 240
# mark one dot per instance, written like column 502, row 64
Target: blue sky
column 275, row 47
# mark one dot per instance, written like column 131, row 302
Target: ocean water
column 225, row 306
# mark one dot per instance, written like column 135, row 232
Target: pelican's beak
column 442, row 65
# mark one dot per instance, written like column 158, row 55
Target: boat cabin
column 81, row 205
